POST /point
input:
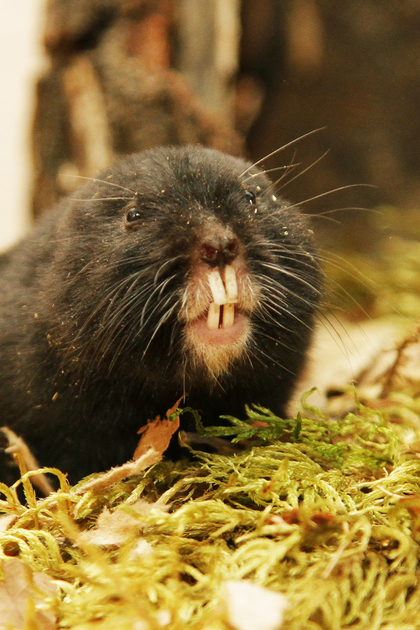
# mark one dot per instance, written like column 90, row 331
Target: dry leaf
column 116, row 528
column 112, row 529
column 140, row 549
column 6, row 520
column 18, row 446
column 252, row 607
column 158, row 433
column 17, row 596
column 153, row 443
column 130, row 469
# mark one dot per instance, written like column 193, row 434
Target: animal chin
column 220, row 335
column 216, row 349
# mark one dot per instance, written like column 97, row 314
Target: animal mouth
column 218, row 327
column 221, row 312
column 223, row 324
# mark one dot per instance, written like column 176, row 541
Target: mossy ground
column 328, row 515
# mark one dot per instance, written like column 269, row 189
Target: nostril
column 209, row 254
column 219, row 252
column 232, row 248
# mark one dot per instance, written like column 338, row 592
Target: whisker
column 162, row 320
column 281, row 294
column 170, row 261
column 286, row 272
column 111, row 296
column 295, row 255
column 110, row 330
column 156, row 290
column 129, row 296
column 260, row 353
column 101, row 199
column 285, row 146
column 364, row 280
column 333, row 330
column 280, row 311
column 330, row 192
column 284, row 167
column 305, row 170
column 286, row 173
column 335, row 210
column 100, row 181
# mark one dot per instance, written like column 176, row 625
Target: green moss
column 327, row 514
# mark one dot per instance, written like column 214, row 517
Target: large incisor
column 225, row 295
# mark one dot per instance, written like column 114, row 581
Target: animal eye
column 250, row 197
column 132, row 215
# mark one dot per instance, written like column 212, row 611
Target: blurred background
column 84, row 81
column 21, row 62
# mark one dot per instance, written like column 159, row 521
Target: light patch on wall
column 21, row 59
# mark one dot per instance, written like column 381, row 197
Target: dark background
column 248, row 77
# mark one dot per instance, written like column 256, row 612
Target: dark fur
column 85, row 364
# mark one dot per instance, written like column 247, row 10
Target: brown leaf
column 130, row 469
column 18, row 446
column 153, row 443
column 112, row 529
column 18, row 595
column 116, row 528
column 157, row 434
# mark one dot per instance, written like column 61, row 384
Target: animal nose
column 218, row 251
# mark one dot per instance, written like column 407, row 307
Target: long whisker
column 167, row 314
column 331, row 259
column 259, row 353
column 285, row 146
column 110, row 297
column 291, row 274
column 284, row 167
column 287, row 172
column 335, row 210
column 101, row 181
column 126, row 340
column 101, row 199
column 305, row 170
column 330, row 192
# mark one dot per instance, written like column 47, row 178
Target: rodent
column 104, row 306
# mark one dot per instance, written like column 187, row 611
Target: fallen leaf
column 249, row 606
column 6, row 520
column 158, row 433
column 115, row 528
column 130, row 469
column 153, row 443
column 18, row 446
column 112, row 529
column 18, row 596
column 141, row 548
